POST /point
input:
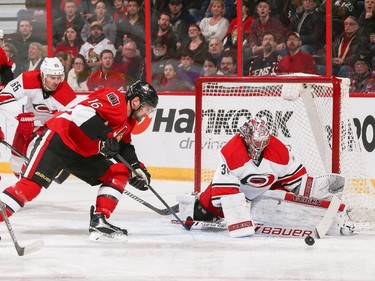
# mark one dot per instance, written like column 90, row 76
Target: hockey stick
column 163, row 212
column 30, row 248
column 122, row 160
column 60, row 178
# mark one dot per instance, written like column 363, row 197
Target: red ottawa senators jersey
column 110, row 104
column 238, row 173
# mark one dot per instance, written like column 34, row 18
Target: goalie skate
column 101, row 230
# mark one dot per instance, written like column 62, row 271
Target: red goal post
column 311, row 114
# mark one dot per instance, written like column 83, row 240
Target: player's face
column 143, row 111
column 53, row 81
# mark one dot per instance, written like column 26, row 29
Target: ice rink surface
column 158, row 250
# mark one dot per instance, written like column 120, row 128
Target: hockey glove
column 110, row 148
column 142, row 178
column 2, row 136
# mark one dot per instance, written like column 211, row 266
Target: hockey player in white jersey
column 32, row 98
column 256, row 166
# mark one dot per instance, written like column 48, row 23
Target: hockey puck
column 309, row 240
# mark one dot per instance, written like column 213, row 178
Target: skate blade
column 111, row 238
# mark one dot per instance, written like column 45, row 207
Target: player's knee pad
column 237, row 215
column 16, row 196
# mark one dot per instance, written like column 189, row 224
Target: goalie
column 257, row 166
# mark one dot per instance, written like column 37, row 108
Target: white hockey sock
column 237, row 215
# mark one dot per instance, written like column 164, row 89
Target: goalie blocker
column 277, row 207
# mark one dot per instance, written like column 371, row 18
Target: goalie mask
column 53, row 68
column 256, row 136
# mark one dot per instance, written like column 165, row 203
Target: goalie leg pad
column 237, row 215
column 279, row 212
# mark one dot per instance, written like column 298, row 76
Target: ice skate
column 101, row 230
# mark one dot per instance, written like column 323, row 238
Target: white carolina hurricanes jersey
column 28, row 88
column 237, row 171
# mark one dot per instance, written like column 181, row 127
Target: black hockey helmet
column 144, row 91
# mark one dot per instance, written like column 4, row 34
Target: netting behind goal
column 309, row 114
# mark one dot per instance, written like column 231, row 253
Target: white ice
column 159, row 250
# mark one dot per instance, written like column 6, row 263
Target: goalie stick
column 60, row 178
column 30, row 248
column 163, row 212
column 284, row 231
column 172, row 212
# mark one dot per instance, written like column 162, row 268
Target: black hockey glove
column 142, row 178
column 110, row 148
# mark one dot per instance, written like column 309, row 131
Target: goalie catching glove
column 142, row 178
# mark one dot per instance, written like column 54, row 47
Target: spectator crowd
column 102, row 42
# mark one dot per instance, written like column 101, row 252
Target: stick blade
column 31, row 248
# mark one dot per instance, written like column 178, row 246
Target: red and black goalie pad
column 24, row 132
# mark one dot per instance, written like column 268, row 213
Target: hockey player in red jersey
column 32, row 98
column 254, row 166
column 81, row 141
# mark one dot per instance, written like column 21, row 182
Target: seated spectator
column 71, row 19
column 216, row 50
column 23, row 38
column 296, row 61
column 66, row 61
column 128, row 62
column 366, row 22
column 266, row 63
column 340, row 11
column 228, row 65
column 78, row 75
column 264, row 23
column 12, row 54
column 87, row 7
column 228, row 6
column 166, row 33
column 196, row 44
column 132, row 28
column 187, row 69
column 310, row 25
column 35, row 55
column 217, row 25
column 120, row 11
column 362, row 80
column 100, row 17
column 160, row 56
column 170, row 80
column 230, row 40
column 180, row 21
column 107, row 75
column 348, row 47
column 210, row 67
column 71, row 42
column 95, row 44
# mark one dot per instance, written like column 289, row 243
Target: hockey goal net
column 308, row 113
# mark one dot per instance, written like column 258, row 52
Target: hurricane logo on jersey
column 113, row 99
column 42, row 108
column 258, row 180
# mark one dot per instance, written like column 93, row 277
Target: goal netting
column 308, row 113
